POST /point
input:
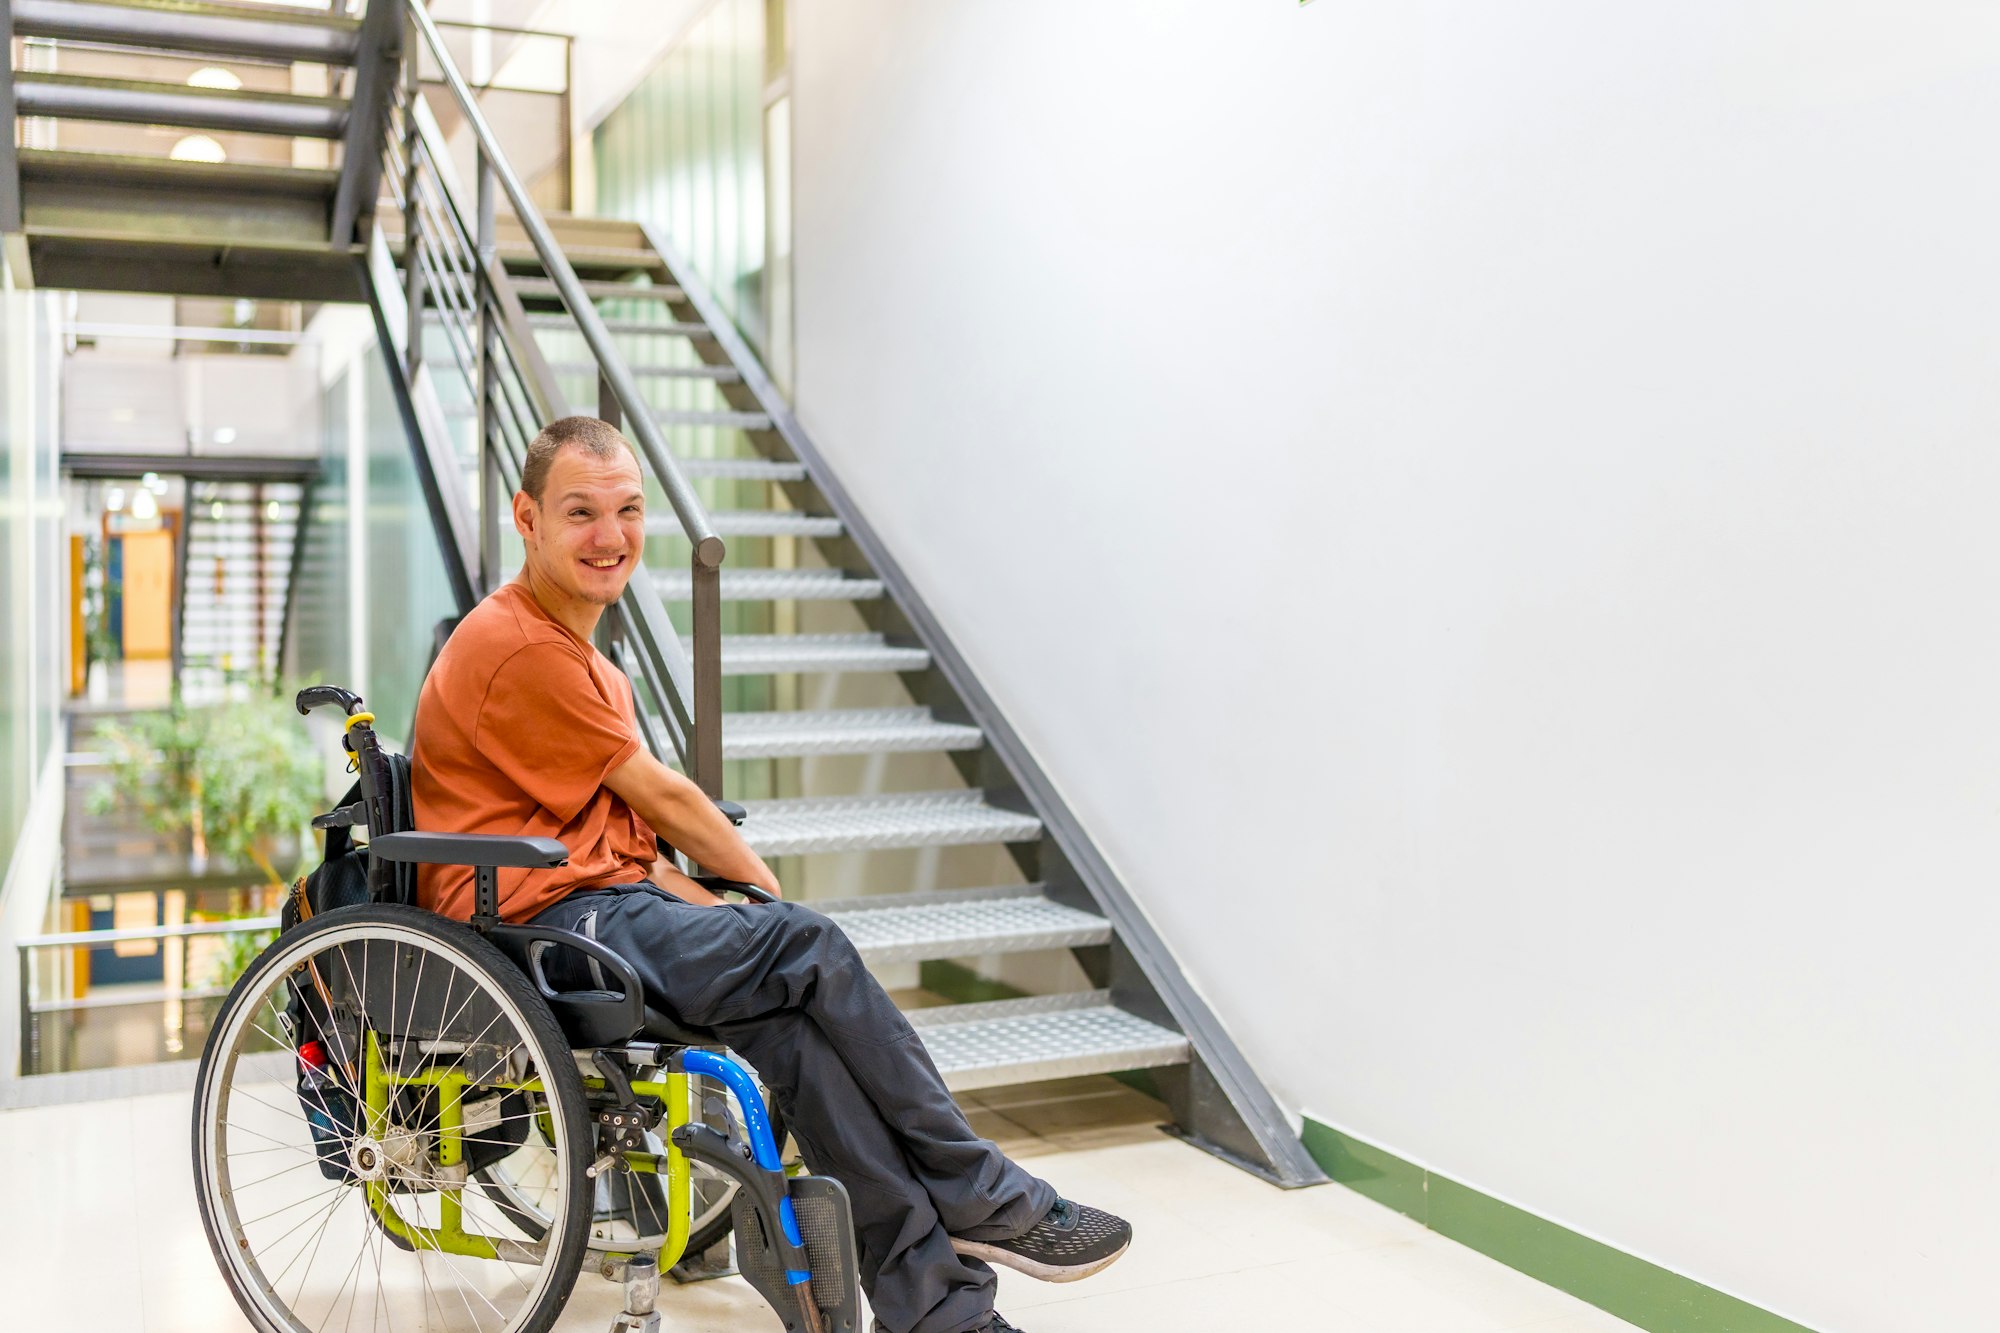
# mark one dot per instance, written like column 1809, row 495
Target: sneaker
column 1071, row 1241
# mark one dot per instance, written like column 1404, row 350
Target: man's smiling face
column 589, row 530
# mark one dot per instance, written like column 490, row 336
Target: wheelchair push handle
column 319, row 696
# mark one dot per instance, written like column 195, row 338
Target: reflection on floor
column 101, row 1226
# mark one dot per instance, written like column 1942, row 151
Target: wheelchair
column 403, row 1120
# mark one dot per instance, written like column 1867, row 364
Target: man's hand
column 682, row 813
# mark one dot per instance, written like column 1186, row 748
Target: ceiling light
column 225, row 434
column 208, row 76
column 144, row 506
column 198, row 148
column 114, row 499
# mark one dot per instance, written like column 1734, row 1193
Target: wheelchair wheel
column 363, row 1066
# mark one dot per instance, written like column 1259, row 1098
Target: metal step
column 210, row 30
column 721, row 420
column 962, row 923
column 545, row 288
column 754, row 523
column 567, row 324
column 874, row 823
column 744, row 469
column 792, row 735
column 720, row 374
column 583, row 256
column 1042, row 1037
column 783, row 654
column 773, row 585
column 139, row 102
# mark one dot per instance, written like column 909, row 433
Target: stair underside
column 1042, row 1037
column 545, row 289
column 872, row 823
column 780, row 654
column 961, row 923
column 720, row 374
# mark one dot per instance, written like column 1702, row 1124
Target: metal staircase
column 498, row 319
column 241, row 545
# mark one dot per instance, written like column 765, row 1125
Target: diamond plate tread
column 599, row 289
column 754, row 523
column 962, row 923
column 874, row 823
column 772, row 585
column 790, row 735
column 744, row 469
column 1042, row 1037
column 722, row 420
column 638, row 326
column 721, row 374
column 780, row 654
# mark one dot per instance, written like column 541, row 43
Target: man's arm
column 683, row 814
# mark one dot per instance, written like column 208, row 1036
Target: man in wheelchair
column 524, row 728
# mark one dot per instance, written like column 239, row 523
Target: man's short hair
column 596, row 437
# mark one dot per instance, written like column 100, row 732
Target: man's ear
column 526, row 512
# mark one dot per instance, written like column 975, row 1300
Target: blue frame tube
column 756, row 1124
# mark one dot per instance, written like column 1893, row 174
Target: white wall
column 1487, row 512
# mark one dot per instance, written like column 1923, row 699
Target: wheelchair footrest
column 826, row 1224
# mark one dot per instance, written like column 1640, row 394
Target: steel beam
column 195, row 467
column 175, row 25
column 10, row 167
column 375, row 71
column 139, row 102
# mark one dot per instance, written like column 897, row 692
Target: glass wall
column 373, row 586
column 687, row 153
column 34, row 563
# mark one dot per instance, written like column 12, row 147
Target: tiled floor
column 100, row 1230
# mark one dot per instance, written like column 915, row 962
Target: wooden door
column 148, row 594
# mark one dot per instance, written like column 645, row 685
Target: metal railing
column 451, row 264
column 35, row 1005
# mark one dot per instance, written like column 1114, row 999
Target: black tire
column 535, row 1045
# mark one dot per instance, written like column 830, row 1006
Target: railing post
column 705, row 758
column 607, row 411
column 26, row 1061
column 489, row 463
column 413, row 266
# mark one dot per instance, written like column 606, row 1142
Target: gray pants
column 785, row 988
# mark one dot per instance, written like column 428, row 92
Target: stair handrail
column 462, row 261
column 687, row 506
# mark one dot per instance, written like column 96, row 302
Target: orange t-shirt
column 518, row 723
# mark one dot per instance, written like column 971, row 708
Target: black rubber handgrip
column 319, row 696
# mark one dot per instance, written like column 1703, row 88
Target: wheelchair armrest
column 529, row 945
column 469, row 849
column 718, row 886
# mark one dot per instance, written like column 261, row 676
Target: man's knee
column 806, row 931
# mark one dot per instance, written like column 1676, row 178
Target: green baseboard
column 1636, row 1291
